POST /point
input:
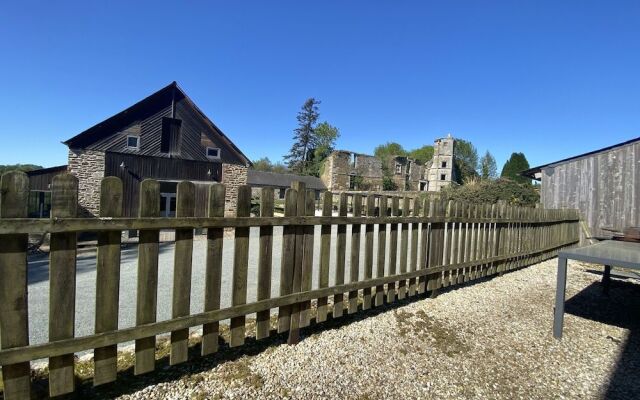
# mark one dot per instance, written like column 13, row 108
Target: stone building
column 345, row 170
column 164, row 137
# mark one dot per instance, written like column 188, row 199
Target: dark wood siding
column 148, row 126
column 41, row 179
column 137, row 168
column 604, row 186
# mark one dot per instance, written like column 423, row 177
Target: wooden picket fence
column 431, row 245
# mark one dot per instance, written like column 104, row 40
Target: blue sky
column 550, row 79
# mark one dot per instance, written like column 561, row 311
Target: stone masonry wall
column 233, row 176
column 88, row 166
column 340, row 165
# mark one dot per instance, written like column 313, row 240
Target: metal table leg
column 561, row 286
column 606, row 279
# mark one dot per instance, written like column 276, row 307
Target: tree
column 384, row 152
column 465, row 160
column 514, row 166
column 422, row 154
column 488, row 168
column 304, row 138
column 18, row 167
column 325, row 139
column 264, row 164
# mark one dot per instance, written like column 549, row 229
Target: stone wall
column 441, row 172
column 340, row 166
column 233, row 176
column 88, row 166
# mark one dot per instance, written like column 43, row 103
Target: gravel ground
column 490, row 339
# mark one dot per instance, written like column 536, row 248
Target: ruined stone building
column 345, row 170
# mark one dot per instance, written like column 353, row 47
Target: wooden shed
column 603, row 184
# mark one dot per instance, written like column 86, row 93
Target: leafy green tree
column 304, row 138
column 390, row 149
column 18, row 167
column 488, row 168
column 264, row 164
column 422, row 154
column 465, row 160
column 514, row 166
column 325, row 139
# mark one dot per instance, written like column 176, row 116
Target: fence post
column 62, row 283
column 356, row 206
column 296, row 286
column 213, row 274
column 264, row 263
column 108, row 281
column 288, row 259
column 325, row 255
column 14, row 328
column 307, row 260
column 185, row 207
column 240, row 265
column 341, row 250
column 382, row 243
column 368, row 254
column 147, row 289
column 393, row 250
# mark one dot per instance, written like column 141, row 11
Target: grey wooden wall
column 605, row 187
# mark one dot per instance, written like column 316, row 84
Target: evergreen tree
column 514, row 166
column 488, row 168
column 304, row 138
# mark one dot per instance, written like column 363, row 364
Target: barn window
column 133, row 142
column 171, row 136
column 213, row 153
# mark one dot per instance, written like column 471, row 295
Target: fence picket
column 368, row 252
column 325, row 255
column 296, row 285
column 108, row 281
column 356, row 207
column 213, row 266
column 404, row 248
column 185, row 207
column 14, row 194
column 383, row 211
column 288, row 259
column 424, row 246
column 413, row 259
column 147, row 292
column 393, row 250
column 62, row 283
column 341, row 252
column 264, row 263
column 240, row 266
column 307, row 259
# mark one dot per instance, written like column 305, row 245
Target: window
column 352, row 182
column 444, row 164
column 171, row 138
column 443, row 177
column 213, row 153
column 398, row 168
column 133, row 142
column 282, row 193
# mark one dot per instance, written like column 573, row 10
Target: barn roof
column 274, row 179
column 151, row 102
column 534, row 172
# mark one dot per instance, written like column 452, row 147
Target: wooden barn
column 165, row 137
column 603, row 184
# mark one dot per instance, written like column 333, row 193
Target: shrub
column 487, row 191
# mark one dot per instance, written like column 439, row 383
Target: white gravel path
column 489, row 340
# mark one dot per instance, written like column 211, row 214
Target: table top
column 609, row 252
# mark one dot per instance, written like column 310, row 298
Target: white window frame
column 212, row 157
column 137, row 141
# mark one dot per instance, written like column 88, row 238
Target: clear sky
column 551, row 79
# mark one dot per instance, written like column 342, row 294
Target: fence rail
column 430, row 245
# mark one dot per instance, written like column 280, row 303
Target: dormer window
column 133, row 142
column 213, row 153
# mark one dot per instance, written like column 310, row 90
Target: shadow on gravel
column 128, row 383
column 620, row 308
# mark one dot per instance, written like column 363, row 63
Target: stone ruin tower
column 441, row 172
